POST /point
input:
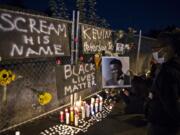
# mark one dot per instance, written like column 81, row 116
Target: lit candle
column 71, row 99
column 75, row 98
column 92, row 109
column 17, row 133
column 83, row 112
column 100, row 103
column 87, row 110
column 78, row 104
column 76, row 120
column 92, row 100
column 71, row 115
column 96, row 107
column 100, row 106
column 67, row 118
column 76, row 116
column 61, row 116
column 101, row 99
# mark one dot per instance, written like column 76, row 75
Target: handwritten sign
column 96, row 39
column 74, row 78
column 28, row 36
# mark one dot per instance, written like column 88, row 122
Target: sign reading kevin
column 74, row 78
column 27, row 36
column 95, row 39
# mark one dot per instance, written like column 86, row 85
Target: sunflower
column 4, row 75
column 11, row 76
column 44, row 98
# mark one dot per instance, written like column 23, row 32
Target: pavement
column 116, row 123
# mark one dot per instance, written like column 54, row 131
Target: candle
column 67, row 118
column 71, row 115
column 92, row 100
column 87, row 110
column 76, row 118
column 96, row 107
column 71, row 99
column 61, row 116
column 101, row 99
column 75, row 98
column 17, row 133
column 78, row 104
column 100, row 106
column 83, row 112
column 92, row 109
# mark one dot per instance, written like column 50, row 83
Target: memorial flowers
column 6, row 77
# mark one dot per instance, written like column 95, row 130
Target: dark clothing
column 161, row 130
column 125, row 78
column 163, row 108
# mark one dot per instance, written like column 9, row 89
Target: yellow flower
column 11, row 75
column 4, row 75
column 44, row 98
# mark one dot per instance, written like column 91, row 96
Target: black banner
column 96, row 39
column 74, row 78
column 28, row 36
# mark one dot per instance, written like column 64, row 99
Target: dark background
column 146, row 15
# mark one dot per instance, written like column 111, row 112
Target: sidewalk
column 116, row 123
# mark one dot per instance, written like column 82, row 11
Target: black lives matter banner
column 74, row 78
column 28, row 36
column 96, row 39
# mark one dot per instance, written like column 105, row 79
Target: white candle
column 83, row 112
column 71, row 99
column 101, row 99
column 92, row 109
column 100, row 106
column 17, row 133
column 96, row 107
column 92, row 100
column 75, row 98
column 76, row 118
column 67, row 118
column 87, row 110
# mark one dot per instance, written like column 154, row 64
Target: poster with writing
column 29, row 36
column 96, row 39
column 74, row 78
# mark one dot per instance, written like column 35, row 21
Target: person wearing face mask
column 164, row 107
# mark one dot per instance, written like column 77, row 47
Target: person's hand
column 126, row 92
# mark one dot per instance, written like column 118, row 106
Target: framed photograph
column 115, row 72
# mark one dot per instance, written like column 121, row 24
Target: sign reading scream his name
column 96, row 39
column 74, row 78
column 26, row 36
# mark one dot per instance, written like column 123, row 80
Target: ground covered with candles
column 110, row 121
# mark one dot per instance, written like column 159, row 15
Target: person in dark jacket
column 163, row 112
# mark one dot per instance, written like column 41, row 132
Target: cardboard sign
column 28, row 36
column 96, row 39
column 74, row 78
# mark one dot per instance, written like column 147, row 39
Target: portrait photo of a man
column 115, row 72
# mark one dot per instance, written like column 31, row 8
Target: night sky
column 120, row 14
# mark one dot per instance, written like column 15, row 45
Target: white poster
column 115, row 72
